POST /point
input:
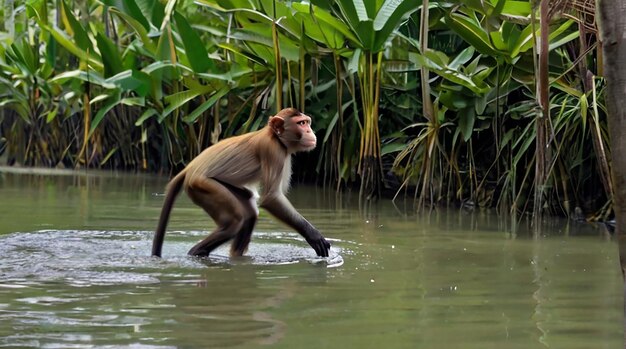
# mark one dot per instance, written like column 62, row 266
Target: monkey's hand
column 320, row 245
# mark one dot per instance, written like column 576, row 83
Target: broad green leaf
column 112, row 101
column 76, row 29
column 99, row 98
column 451, row 99
column 69, row 45
column 390, row 148
column 471, row 32
column 268, row 7
column 389, row 17
column 497, row 10
column 197, row 54
column 17, row 106
column 507, row 138
column 261, row 34
column 462, row 58
column 37, row 9
column 179, row 99
column 498, row 41
column 326, row 18
column 354, row 11
column 52, row 51
column 145, row 116
column 90, row 77
column 138, row 27
column 558, row 42
column 510, row 34
column 320, row 32
column 584, row 107
column 193, row 116
column 361, row 10
column 249, row 56
column 130, row 8
column 519, row 9
column 23, row 56
column 110, row 56
column 108, row 156
column 153, row 9
column 134, row 101
column 365, row 33
column 236, row 74
column 435, row 64
column 157, row 66
column 132, row 80
column 525, row 40
column 52, row 114
column 528, row 137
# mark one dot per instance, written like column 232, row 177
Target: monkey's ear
column 277, row 124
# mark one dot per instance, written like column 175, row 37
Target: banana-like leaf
column 195, row 51
column 325, row 18
column 261, row 34
column 154, row 10
column 111, row 58
column 467, row 118
column 193, row 116
column 519, row 9
column 471, row 32
column 69, row 45
column 111, row 102
column 145, row 116
column 179, row 99
column 132, row 80
column 525, row 40
column 462, row 58
column 37, row 9
column 18, row 106
column 75, row 28
column 91, row 77
column 130, row 8
column 389, row 17
column 24, row 57
column 139, row 28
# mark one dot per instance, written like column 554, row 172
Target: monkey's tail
column 170, row 196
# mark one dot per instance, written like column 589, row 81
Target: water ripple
column 93, row 257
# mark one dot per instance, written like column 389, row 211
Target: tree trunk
column 9, row 17
column 370, row 168
column 543, row 115
column 612, row 23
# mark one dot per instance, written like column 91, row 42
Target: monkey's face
column 300, row 125
column 294, row 131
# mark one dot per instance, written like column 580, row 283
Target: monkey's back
column 233, row 160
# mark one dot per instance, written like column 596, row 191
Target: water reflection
column 75, row 271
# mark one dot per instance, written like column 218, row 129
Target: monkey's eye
column 303, row 122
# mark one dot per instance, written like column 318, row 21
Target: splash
column 89, row 257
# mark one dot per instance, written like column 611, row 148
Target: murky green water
column 75, row 272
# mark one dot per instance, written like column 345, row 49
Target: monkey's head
column 294, row 130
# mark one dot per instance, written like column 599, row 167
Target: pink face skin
column 303, row 124
column 294, row 131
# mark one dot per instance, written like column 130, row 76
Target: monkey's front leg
column 282, row 209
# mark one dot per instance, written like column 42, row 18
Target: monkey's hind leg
column 242, row 240
column 223, row 206
column 247, row 199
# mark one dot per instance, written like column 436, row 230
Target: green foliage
column 148, row 84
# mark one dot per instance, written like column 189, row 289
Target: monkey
column 223, row 181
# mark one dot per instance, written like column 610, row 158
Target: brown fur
column 218, row 180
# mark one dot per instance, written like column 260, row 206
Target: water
column 75, row 272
